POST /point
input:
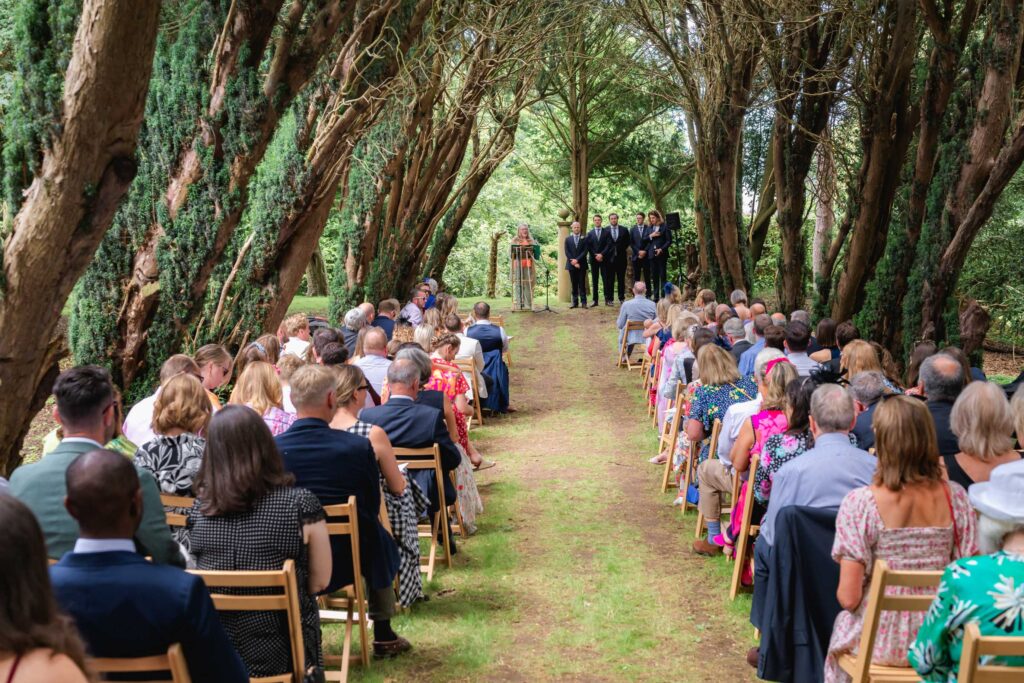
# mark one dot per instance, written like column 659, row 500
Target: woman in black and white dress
column 248, row 516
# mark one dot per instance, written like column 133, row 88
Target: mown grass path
column 581, row 570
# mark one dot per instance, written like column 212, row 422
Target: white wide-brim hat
column 1002, row 496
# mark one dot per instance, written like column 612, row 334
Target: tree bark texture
column 316, row 275
column 492, row 265
column 85, row 171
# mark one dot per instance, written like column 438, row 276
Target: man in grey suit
column 85, row 411
column 637, row 309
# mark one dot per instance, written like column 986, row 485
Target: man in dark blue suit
column 621, row 241
column 640, row 242
column 602, row 253
column 123, row 605
column 661, row 240
column 333, row 465
column 576, row 264
column 412, row 425
column 493, row 342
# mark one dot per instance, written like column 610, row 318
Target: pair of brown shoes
column 386, row 649
column 702, row 547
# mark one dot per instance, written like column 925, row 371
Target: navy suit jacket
column 125, row 606
column 662, row 241
column 622, row 243
column 333, row 465
column 385, row 323
column 576, row 252
column 639, row 241
column 603, row 246
column 413, row 425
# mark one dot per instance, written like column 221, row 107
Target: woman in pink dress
column 910, row 516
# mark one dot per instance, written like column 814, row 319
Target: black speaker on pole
column 672, row 220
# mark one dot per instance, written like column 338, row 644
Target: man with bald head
column 122, row 605
column 941, row 380
column 374, row 362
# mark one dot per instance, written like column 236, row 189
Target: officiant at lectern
column 525, row 251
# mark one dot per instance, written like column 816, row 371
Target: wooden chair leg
column 668, row 472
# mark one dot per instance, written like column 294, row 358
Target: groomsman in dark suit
column 576, row 264
column 640, row 242
column 661, row 240
column 621, row 240
column 602, row 254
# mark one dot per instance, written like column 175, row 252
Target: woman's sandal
column 484, row 464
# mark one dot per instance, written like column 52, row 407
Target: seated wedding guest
column 138, row 425
column 469, row 349
column 846, row 332
column 334, row 354
column 374, row 362
column 736, row 333
column 982, row 422
column 432, row 319
column 413, row 311
column 123, row 605
column 431, row 290
column 37, row 643
column 637, row 309
column 941, row 381
column 369, row 311
column 794, row 441
column 359, row 352
column 250, row 516
column 85, row 411
column 334, row 465
column 412, row 425
column 271, row 346
column 119, row 443
column 739, row 414
column 738, row 299
column 866, row 388
column 912, row 377
column 909, row 516
column 422, row 335
column 678, row 344
column 296, row 327
column 260, row 389
column 428, row 397
column 181, row 415
column 354, row 321
column 493, row 341
column 760, row 325
column 775, row 338
column 859, row 356
column 684, row 367
column 387, row 311
column 825, row 336
column 778, row 319
column 982, row 590
column 797, row 337
column 286, row 368
column 321, row 338
column 214, row 363
column 252, row 353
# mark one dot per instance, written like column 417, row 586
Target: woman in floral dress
column 181, row 415
column 910, row 516
column 984, row 590
column 721, row 386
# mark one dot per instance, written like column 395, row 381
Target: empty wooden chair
column 977, row 646
column 173, row 662
column 430, row 459
column 859, row 666
column 716, row 430
column 671, row 440
column 176, row 519
column 347, row 605
column 748, row 531
column 624, row 360
column 285, row 600
column 468, row 366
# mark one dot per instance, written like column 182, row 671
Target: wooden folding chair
column 286, row 601
column 652, row 407
column 645, row 371
column 716, row 430
column 468, row 366
column 430, row 459
column 624, row 360
column 859, row 666
column 173, row 662
column 175, row 519
column 499, row 320
column 690, row 475
column 671, row 440
column 748, row 530
column 977, row 645
column 348, row 605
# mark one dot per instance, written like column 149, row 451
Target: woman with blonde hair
column 181, row 415
column 432, row 319
column 447, row 305
column 424, row 336
column 214, row 363
column 909, row 516
column 983, row 424
column 860, row 356
column 259, row 388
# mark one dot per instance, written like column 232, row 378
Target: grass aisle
column 580, row 570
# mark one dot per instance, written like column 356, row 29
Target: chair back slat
column 173, row 662
column 176, row 519
column 976, row 646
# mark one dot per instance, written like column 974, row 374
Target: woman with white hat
column 987, row 590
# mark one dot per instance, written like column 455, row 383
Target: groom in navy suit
column 123, row 605
column 576, row 264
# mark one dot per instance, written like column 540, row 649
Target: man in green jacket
column 85, row 410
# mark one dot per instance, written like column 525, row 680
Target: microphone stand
column 547, row 286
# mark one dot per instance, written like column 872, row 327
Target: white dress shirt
column 802, row 362
column 469, row 349
column 296, row 346
column 104, row 545
column 413, row 313
column 138, row 424
column 732, row 422
column 376, row 370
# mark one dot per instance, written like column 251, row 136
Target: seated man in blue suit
column 412, row 425
column 123, row 605
column 493, row 341
column 334, row 464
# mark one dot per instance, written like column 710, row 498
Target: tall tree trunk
column 824, row 211
column 86, row 169
column 226, row 78
column 757, row 233
column 316, row 275
column 492, row 265
column 887, row 127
